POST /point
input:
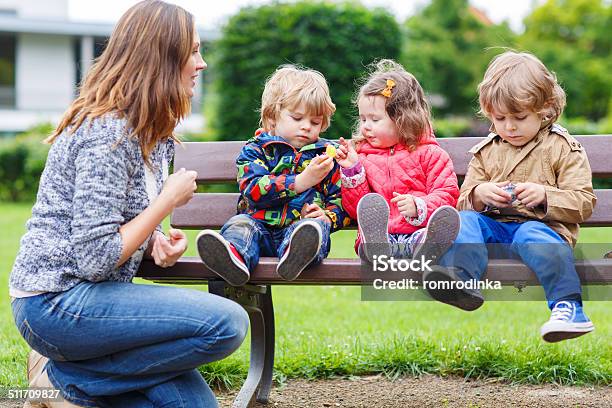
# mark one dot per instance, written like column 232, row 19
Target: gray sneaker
column 440, row 233
column 373, row 223
column 304, row 245
column 444, row 289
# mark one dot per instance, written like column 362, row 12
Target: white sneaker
column 567, row 321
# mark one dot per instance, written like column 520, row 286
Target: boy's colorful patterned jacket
column 267, row 168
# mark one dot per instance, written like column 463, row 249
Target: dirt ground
column 427, row 391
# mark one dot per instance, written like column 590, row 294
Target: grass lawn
column 329, row 331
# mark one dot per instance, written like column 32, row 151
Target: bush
column 22, row 160
column 338, row 40
column 452, row 127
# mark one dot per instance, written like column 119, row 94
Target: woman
column 101, row 199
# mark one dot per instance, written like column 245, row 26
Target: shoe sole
column 373, row 221
column 453, row 297
column 442, row 230
column 555, row 334
column 216, row 256
column 298, row 257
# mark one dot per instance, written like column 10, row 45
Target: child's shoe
column 441, row 232
column 304, row 245
column 444, row 288
column 373, row 223
column 567, row 320
column 222, row 258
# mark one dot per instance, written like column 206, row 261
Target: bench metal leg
column 265, row 385
column 257, row 300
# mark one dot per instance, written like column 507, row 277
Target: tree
column 572, row 38
column 447, row 47
column 338, row 40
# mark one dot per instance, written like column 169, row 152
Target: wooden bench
column 214, row 162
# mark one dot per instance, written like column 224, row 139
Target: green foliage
column 572, row 38
column 447, row 47
column 336, row 39
column 22, row 160
column 452, row 127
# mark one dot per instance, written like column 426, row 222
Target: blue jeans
column 253, row 238
column 535, row 243
column 114, row 344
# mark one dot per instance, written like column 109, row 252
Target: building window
column 7, row 70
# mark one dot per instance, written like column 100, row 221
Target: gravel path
column 428, row 391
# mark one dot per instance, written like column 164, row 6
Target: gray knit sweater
column 93, row 182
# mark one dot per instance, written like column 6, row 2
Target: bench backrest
column 215, row 163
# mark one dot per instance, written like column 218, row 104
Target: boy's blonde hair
column 290, row 86
column 520, row 81
column 406, row 105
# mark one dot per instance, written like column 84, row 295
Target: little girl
column 396, row 179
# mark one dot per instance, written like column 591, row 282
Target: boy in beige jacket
column 527, row 188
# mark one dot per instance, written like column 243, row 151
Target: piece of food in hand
column 330, row 150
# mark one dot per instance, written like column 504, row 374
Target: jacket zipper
column 391, row 152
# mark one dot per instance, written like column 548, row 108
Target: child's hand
column 315, row 172
column 346, row 155
column 405, row 204
column 530, row 194
column 166, row 252
column 314, row 211
column 491, row 194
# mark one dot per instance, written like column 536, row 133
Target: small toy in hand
column 509, row 188
column 330, row 150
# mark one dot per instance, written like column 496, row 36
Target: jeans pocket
column 38, row 343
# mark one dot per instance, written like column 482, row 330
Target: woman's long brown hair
column 138, row 76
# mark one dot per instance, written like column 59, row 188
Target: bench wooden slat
column 214, row 161
column 347, row 271
column 212, row 210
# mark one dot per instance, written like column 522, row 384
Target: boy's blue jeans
column 253, row 238
column 534, row 242
column 115, row 344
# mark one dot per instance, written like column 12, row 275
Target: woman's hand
column 166, row 252
column 346, row 155
column 179, row 187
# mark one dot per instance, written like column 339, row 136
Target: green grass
column 328, row 331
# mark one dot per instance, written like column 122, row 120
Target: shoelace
column 564, row 313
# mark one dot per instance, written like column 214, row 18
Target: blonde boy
column 527, row 188
column 289, row 188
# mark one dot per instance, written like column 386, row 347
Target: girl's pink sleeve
column 442, row 186
column 354, row 186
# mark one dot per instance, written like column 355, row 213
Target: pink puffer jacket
column 427, row 173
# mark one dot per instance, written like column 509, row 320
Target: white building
column 43, row 56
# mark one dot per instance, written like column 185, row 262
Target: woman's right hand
column 179, row 187
column 346, row 155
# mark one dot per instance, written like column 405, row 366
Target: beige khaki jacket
column 554, row 159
